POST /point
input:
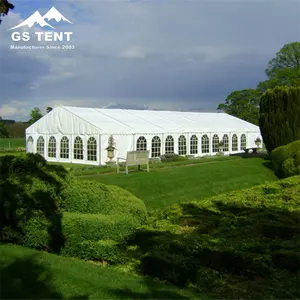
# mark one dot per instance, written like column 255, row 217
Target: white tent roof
column 80, row 120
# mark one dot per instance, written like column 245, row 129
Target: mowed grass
column 12, row 153
column 30, row 274
column 12, row 143
column 162, row 187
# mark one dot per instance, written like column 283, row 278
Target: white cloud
column 14, row 108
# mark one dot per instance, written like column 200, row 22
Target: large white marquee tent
column 80, row 135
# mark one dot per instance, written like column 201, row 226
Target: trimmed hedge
column 107, row 250
column 286, row 159
column 85, row 234
column 98, row 227
column 95, row 197
column 250, row 239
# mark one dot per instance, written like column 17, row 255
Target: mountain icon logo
column 37, row 19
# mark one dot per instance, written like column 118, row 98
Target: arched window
column 30, row 144
column 194, row 145
column 234, row 143
column 205, row 144
column 141, row 144
column 40, row 146
column 92, row 149
column 226, row 142
column 182, row 145
column 64, row 147
column 243, row 142
column 78, row 148
column 169, row 145
column 52, row 147
column 215, row 143
column 155, row 147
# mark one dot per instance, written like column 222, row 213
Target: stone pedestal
column 111, row 163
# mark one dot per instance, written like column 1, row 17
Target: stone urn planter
column 257, row 142
column 221, row 146
column 110, row 149
column 110, row 153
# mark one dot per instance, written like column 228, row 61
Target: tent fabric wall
column 127, row 126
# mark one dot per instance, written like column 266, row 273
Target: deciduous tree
column 35, row 115
column 243, row 104
column 3, row 129
column 48, row 109
column 16, row 129
column 5, row 6
column 284, row 68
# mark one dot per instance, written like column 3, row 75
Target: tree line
column 282, row 70
column 11, row 128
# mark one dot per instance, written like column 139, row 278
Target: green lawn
column 162, row 187
column 79, row 170
column 11, row 153
column 12, row 143
column 29, row 274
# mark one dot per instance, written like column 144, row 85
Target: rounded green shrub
column 277, row 158
column 36, row 232
column 297, row 159
column 83, row 233
column 95, row 197
column 285, row 159
column 288, row 168
column 29, row 187
column 98, row 227
column 107, row 250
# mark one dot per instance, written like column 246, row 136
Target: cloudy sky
column 162, row 54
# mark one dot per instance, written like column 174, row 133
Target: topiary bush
column 94, row 197
column 279, row 119
column 98, row 227
column 286, row 159
column 90, row 229
column 297, row 158
column 277, row 158
column 30, row 187
column 288, row 168
column 36, row 233
column 87, row 236
column 105, row 250
column 97, row 221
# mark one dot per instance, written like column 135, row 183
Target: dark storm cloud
column 191, row 54
column 149, row 79
column 18, row 74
